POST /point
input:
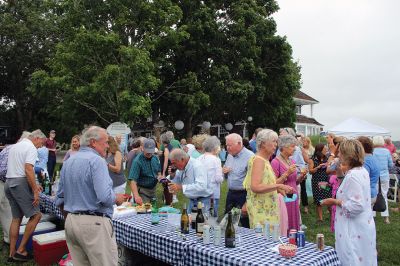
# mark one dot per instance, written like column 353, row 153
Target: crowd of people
column 266, row 179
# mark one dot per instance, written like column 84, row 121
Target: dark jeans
column 237, row 198
column 304, row 199
column 51, row 163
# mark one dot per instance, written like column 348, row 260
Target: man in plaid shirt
column 145, row 173
column 5, row 209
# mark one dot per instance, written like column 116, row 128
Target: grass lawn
column 388, row 236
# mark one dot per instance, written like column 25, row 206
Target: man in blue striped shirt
column 85, row 189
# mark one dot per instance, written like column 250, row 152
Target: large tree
column 232, row 65
column 28, row 35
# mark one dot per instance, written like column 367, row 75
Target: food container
column 287, row 250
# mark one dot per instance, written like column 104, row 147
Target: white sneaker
column 303, row 227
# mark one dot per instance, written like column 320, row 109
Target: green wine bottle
column 230, row 233
column 184, row 221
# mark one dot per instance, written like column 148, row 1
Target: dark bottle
column 199, row 220
column 46, row 185
column 193, row 217
column 155, row 217
column 230, row 233
column 184, row 221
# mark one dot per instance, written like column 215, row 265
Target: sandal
column 20, row 257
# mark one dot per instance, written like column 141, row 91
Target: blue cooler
column 41, row 228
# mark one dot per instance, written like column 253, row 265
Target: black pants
column 237, row 199
column 51, row 163
column 304, row 199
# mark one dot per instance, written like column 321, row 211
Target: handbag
column 380, row 204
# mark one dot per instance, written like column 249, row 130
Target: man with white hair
column 85, row 190
column 22, row 191
column 236, row 169
column 191, row 178
column 5, row 208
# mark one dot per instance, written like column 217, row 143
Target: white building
column 306, row 124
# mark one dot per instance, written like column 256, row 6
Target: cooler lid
column 40, row 227
column 49, row 237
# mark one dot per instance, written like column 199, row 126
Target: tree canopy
column 88, row 61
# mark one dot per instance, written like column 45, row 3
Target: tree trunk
column 188, row 128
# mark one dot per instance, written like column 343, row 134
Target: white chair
column 392, row 193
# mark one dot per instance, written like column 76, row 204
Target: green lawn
column 388, row 236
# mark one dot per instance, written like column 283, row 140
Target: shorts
column 20, row 196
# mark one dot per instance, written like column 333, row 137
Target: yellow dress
column 264, row 206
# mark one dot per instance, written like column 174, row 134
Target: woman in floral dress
column 260, row 182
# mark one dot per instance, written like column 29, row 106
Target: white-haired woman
column 355, row 232
column 385, row 163
column 262, row 199
column 286, row 173
column 212, row 164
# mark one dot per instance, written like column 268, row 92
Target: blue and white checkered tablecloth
column 168, row 245
column 47, row 205
column 158, row 241
column 253, row 250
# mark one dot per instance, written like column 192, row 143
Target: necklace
column 287, row 161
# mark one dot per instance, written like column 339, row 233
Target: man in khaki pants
column 85, row 190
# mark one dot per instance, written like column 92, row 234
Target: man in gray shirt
column 236, row 169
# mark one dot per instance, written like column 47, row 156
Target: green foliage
column 121, row 60
column 317, row 139
column 28, row 37
column 96, row 74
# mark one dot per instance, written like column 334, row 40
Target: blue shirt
column 43, row 157
column 253, row 145
column 4, row 162
column 85, row 184
column 372, row 166
column 194, row 180
column 384, row 159
column 238, row 165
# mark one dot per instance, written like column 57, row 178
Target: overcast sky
column 349, row 52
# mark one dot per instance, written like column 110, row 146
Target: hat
column 52, row 131
column 149, row 146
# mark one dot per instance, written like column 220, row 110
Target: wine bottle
column 199, row 220
column 46, row 185
column 184, row 221
column 193, row 217
column 155, row 217
column 230, row 233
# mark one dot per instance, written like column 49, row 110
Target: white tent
column 354, row 127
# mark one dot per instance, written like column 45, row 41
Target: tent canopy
column 354, row 127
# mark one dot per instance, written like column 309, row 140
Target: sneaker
column 303, row 227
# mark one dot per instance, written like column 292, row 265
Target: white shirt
column 355, row 231
column 213, row 167
column 20, row 154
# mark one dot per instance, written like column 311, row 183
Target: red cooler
column 49, row 248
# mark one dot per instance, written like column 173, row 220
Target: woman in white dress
column 355, row 232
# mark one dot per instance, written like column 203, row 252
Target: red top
column 391, row 148
column 51, row 144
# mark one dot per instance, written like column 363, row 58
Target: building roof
column 304, row 98
column 307, row 120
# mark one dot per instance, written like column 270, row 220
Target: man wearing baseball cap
column 145, row 173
